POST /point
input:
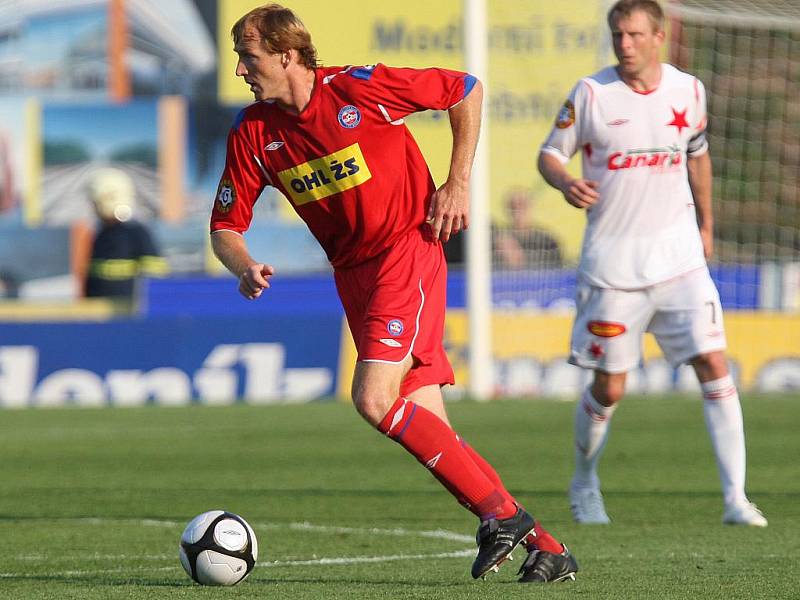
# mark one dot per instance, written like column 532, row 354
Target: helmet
column 111, row 191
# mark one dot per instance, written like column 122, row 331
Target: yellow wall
column 754, row 340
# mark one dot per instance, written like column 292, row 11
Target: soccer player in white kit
column 646, row 189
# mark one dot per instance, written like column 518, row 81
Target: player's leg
column 606, row 337
column 430, row 397
column 423, row 434
column 689, row 328
column 435, row 445
column 723, row 415
column 592, row 420
column 402, row 323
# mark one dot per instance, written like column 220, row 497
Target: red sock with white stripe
column 723, row 414
column 435, row 445
column 541, row 538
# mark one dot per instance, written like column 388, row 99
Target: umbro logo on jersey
column 617, row 122
column 273, row 146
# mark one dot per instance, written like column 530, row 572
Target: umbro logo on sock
column 432, row 462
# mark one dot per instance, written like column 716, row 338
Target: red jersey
column 347, row 163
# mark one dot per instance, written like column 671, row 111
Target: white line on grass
column 352, row 560
column 438, row 533
column 304, row 526
column 334, row 561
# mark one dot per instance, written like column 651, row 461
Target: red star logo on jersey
column 679, row 120
column 596, row 350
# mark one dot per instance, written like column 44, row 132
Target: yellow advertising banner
column 537, row 51
column 530, row 350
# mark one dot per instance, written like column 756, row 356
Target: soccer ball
column 218, row 548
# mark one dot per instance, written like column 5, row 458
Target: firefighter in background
column 123, row 249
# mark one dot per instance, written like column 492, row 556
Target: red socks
column 487, row 469
column 437, row 446
column 464, row 472
column 542, row 540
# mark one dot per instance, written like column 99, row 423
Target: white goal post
column 479, row 251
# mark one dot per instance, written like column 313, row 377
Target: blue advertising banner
column 738, row 285
column 169, row 361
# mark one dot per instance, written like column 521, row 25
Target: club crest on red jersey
column 395, row 327
column 349, row 116
column 226, row 195
column 566, row 116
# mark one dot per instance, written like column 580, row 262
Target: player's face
column 262, row 70
column 636, row 43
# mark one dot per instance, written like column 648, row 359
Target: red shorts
column 395, row 305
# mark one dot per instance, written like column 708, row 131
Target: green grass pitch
column 92, row 502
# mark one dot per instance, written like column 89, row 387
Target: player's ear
column 286, row 57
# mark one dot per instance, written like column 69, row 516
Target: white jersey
column 643, row 230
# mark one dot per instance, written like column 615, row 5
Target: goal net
column 747, row 52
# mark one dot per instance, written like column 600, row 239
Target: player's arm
column 241, row 184
column 231, row 250
column 581, row 193
column 448, row 212
column 563, row 142
column 699, row 169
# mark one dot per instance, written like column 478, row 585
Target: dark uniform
column 121, row 253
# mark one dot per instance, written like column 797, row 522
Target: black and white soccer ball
column 218, row 548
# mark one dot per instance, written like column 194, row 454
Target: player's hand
column 448, row 212
column 255, row 280
column 581, row 193
column 707, row 236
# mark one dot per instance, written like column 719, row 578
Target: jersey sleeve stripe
column 239, row 233
column 386, row 116
column 263, row 170
column 364, row 73
column 239, row 119
column 555, row 152
column 469, row 83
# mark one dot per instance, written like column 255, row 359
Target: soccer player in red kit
column 333, row 141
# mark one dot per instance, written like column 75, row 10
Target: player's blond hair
column 280, row 30
column 624, row 8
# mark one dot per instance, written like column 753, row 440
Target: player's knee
column 712, row 365
column 372, row 405
column 608, row 391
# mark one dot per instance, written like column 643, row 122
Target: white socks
column 591, row 432
column 723, row 415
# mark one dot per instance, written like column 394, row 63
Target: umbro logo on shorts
column 273, row 146
column 390, row 342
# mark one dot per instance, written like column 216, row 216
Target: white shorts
column 684, row 314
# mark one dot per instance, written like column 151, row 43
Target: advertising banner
column 531, row 350
column 168, row 361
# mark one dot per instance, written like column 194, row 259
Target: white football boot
column 587, row 506
column 744, row 513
